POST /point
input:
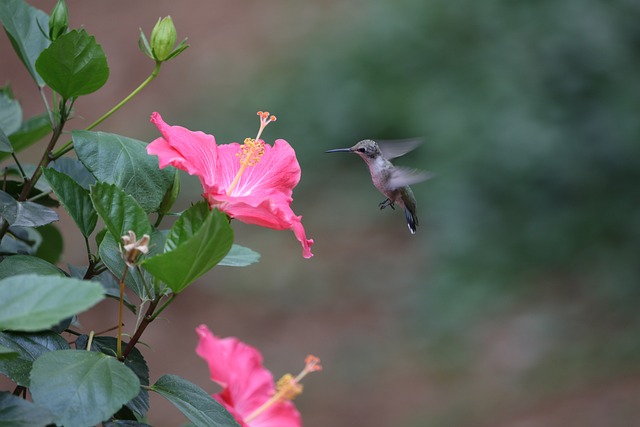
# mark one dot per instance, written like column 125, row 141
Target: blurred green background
column 515, row 304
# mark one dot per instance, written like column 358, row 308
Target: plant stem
column 161, row 309
column 148, row 318
column 119, row 342
column 44, row 161
column 46, row 105
column 90, row 340
column 69, row 145
column 86, row 245
column 15, row 159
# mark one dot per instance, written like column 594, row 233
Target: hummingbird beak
column 339, row 150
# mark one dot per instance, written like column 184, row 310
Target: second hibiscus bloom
column 251, row 182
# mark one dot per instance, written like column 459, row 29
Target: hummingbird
column 392, row 181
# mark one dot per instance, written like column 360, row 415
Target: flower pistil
column 288, row 387
column 251, row 150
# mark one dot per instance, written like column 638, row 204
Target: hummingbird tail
column 412, row 220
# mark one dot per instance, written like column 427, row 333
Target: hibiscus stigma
column 252, row 149
column 288, row 387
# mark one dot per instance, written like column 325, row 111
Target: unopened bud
column 59, row 20
column 163, row 38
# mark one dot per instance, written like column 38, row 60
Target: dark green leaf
column 135, row 362
column 17, row 412
column 42, row 185
column 119, row 211
column 23, row 264
column 10, row 112
column 52, row 244
column 76, row 170
column 25, row 27
column 14, row 188
column 21, row 240
column 171, row 195
column 5, row 144
column 7, row 352
column 124, row 162
column 75, row 200
column 32, row 302
column 239, row 256
column 25, row 214
column 124, row 423
column 73, row 65
column 30, row 132
column 29, row 347
column 198, row 240
column 141, row 284
column 195, row 403
column 81, row 388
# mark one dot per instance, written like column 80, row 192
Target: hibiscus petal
column 276, row 171
column 194, row 152
column 273, row 211
column 237, row 367
column 282, row 414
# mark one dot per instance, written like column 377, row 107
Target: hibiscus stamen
column 288, row 387
column 252, row 149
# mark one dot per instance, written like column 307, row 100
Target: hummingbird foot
column 386, row 203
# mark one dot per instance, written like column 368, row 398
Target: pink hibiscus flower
column 249, row 393
column 252, row 182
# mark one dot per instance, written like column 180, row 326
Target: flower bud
column 163, row 38
column 59, row 20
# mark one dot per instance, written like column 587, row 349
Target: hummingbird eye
column 361, row 149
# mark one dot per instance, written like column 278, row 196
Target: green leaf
column 24, row 264
column 25, row 26
column 124, row 162
column 17, row 412
column 239, row 256
column 30, row 132
column 5, row 144
column 124, row 423
column 32, row 302
column 75, row 200
column 81, row 388
column 76, row 170
column 73, row 65
column 21, row 240
column 143, row 44
column 171, row 195
column 134, row 361
column 139, row 281
column 29, row 347
column 119, row 211
column 6, row 351
column 10, row 112
column 52, row 244
column 25, row 214
column 195, row 403
column 198, row 240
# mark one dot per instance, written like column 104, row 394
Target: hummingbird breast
column 381, row 169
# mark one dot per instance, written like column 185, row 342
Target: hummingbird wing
column 401, row 176
column 392, row 148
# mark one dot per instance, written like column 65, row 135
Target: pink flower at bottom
column 251, row 182
column 248, row 389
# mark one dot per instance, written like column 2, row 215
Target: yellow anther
column 288, row 388
column 251, row 150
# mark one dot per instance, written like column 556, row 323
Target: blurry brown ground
column 349, row 304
